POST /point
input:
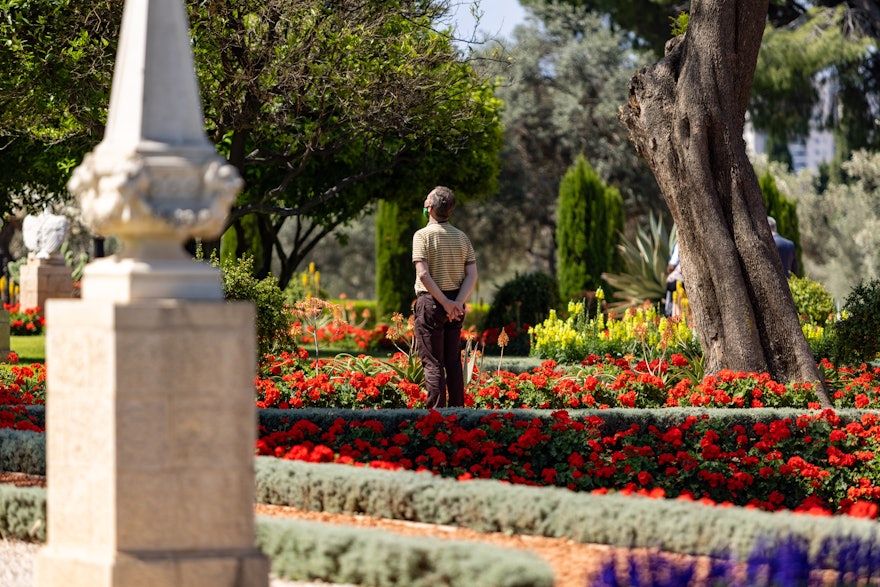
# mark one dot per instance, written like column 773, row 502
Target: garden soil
column 574, row 564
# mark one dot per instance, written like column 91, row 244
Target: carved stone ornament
column 155, row 196
column 44, row 234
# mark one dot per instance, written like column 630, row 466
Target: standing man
column 785, row 248
column 446, row 272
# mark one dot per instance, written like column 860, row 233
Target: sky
column 498, row 20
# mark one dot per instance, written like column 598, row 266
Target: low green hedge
column 23, row 513
column 310, row 550
column 492, row 506
column 22, row 451
column 338, row 554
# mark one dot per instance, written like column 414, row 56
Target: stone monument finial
column 154, row 181
column 43, row 234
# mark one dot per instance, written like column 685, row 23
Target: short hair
column 442, row 199
column 772, row 222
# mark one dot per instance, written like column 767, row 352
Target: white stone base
column 82, row 569
column 123, row 279
column 150, row 445
column 41, row 280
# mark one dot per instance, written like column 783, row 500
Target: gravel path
column 17, row 567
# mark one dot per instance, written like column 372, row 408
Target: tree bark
column 685, row 116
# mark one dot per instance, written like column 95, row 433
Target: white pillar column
column 150, row 413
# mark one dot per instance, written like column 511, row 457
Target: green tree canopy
column 806, row 45
column 567, row 74
column 323, row 107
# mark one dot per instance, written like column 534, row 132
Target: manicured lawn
column 30, row 349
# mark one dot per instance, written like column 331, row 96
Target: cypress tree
column 784, row 211
column 395, row 273
column 589, row 218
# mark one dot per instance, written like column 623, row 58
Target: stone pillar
column 42, row 279
column 151, row 428
column 151, row 419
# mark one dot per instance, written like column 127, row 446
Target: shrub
column 274, row 319
column 395, row 272
column 524, row 300
column 644, row 258
column 590, row 218
column 857, row 335
column 813, row 302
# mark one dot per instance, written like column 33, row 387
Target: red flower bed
column 21, row 386
column 813, row 463
column 292, row 380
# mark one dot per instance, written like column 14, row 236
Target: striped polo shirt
column 447, row 250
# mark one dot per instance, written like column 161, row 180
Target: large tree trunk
column 685, row 116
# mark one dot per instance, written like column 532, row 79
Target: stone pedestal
column 150, row 448
column 42, row 279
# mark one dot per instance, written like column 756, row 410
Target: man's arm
column 467, row 286
column 425, row 277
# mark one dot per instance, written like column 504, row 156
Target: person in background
column 673, row 278
column 446, row 273
column 785, row 248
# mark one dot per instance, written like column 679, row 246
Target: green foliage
column 524, row 300
column 839, row 225
column 22, row 451
column 789, row 58
column 23, row 513
column 567, row 74
column 395, row 273
column 813, row 302
column 589, row 218
column 274, row 318
column 322, row 107
column 644, row 260
column 857, row 334
column 680, row 23
column 77, row 263
column 302, row 550
column 784, row 211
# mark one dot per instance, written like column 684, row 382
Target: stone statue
column 44, row 234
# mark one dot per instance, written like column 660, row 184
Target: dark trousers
column 439, row 345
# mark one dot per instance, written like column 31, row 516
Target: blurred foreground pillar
column 150, row 412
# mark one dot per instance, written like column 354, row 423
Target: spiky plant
column 644, row 260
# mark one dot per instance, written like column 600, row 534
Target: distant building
column 807, row 153
column 818, row 146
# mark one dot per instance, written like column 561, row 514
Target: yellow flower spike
column 311, row 267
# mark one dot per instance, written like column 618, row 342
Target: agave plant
column 644, row 260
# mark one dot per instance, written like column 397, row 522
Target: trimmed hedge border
column 486, row 505
column 23, row 513
column 493, row 506
column 310, row 550
column 22, row 451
